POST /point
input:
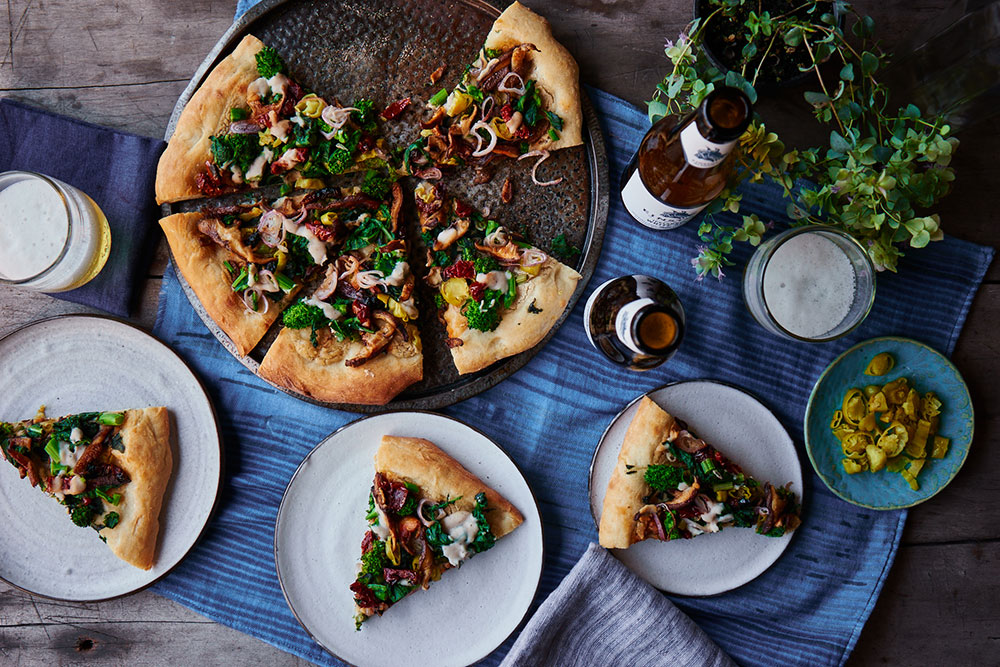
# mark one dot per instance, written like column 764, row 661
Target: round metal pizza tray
column 347, row 49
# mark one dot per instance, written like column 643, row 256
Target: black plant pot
column 784, row 75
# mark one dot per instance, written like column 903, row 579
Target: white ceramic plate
column 317, row 542
column 745, row 431
column 82, row 363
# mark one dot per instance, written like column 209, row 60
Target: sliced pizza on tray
column 521, row 97
column 354, row 339
column 109, row 469
column 669, row 484
column 497, row 295
column 251, row 124
column 427, row 514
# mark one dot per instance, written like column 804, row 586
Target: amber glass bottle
column 636, row 321
column 682, row 164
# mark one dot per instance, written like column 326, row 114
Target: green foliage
column 664, row 478
column 365, row 115
column 467, row 248
column 484, row 535
column 484, row 315
column 82, row 515
column 238, row 149
column 269, row 62
column 881, row 170
column 563, row 249
column 299, row 258
column 529, row 104
column 111, row 519
column 485, row 264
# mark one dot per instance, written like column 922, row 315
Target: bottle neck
column 637, row 316
column 701, row 147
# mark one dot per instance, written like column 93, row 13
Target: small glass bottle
column 683, row 164
column 635, row 321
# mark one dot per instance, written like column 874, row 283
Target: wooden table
column 123, row 64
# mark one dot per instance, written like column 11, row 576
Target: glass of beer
column 53, row 237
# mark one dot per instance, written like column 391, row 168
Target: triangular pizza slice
column 427, row 514
column 521, row 96
column 252, row 124
column 109, row 469
column 497, row 294
column 669, row 484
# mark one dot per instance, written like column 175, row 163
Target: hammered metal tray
column 345, row 49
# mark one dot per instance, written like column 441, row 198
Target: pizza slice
column 251, row 124
column 354, row 338
column 668, row 484
column 520, row 97
column 109, row 469
column 427, row 514
column 246, row 262
column 497, row 295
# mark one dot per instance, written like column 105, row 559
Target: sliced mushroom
column 684, row 498
column 375, row 343
column 509, row 253
column 449, row 236
column 230, row 239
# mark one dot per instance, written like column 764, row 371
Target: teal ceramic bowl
column 927, row 370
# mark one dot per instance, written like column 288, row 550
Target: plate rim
column 222, row 456
column 326, row 439
column 599, row 183
column 811, row 404
column 614, row 420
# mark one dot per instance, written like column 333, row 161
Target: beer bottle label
column 699, row 151
column 652, row 211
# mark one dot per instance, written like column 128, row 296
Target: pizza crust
column 649, row 428
column 206, row 114
column 149, row 463
column 319, row 372
column 519, row 328
column 553, row 67
column 439, row 476
column 200, row 262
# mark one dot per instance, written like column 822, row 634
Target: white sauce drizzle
column 462, row 528
column 329, row 312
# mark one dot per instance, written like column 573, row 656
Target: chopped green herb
column 563, row 249
column 111, row 418
column 237, row 113
column 664, row 478
column 439, row 98
column 111, row 519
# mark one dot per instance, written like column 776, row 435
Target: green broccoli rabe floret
column 375, row 559
column 485, row 264
column 484, row 315
column 468, row 248
column 377, row 184
column 484, row 535
column 269, row 62
column 238, row 149
column 365, row 115
column 664, row 478
column 82, row 515
column 300, row 316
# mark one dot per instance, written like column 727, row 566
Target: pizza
column 519, row 98
column 497, row 295
column 668, row 484
column 312, row 254
column 426, row 515
column 109, row 469
column 354, row 338
column 251, row 124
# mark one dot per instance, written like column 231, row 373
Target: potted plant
column 883, row 170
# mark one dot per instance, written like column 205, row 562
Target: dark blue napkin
column 116, row 169
column 808, row 609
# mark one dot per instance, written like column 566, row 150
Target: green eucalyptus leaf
column 847, row 72
column 869, row 63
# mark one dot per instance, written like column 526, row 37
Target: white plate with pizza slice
column 82, row 363
column 745, row 431
column 321, row 522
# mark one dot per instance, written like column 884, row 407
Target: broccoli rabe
column 484, row 536
column 374, row 560
column 377, row 184
column 468, row 249
column 82, row 515
column 269, row 62
column 485, row 264
column 238, row 149
column 664, row 478
column 300, row 315
column 365, row 115
column 484, row 315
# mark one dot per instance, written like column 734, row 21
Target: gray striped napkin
column 603, row 614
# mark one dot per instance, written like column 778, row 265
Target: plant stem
column 805, row 40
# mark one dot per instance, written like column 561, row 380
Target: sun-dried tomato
column 462, row 209
column 363, row 595
column 363, row 313
column 477, row 291
column 460, row 269
column 523, row 132
column 506, row 111
column 395, row 108
column 366, row 143
column 366, row 542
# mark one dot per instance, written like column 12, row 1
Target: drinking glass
column 53, row 237
column 824, row 279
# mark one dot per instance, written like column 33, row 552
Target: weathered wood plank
column 143, row 629
column 938, row 607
